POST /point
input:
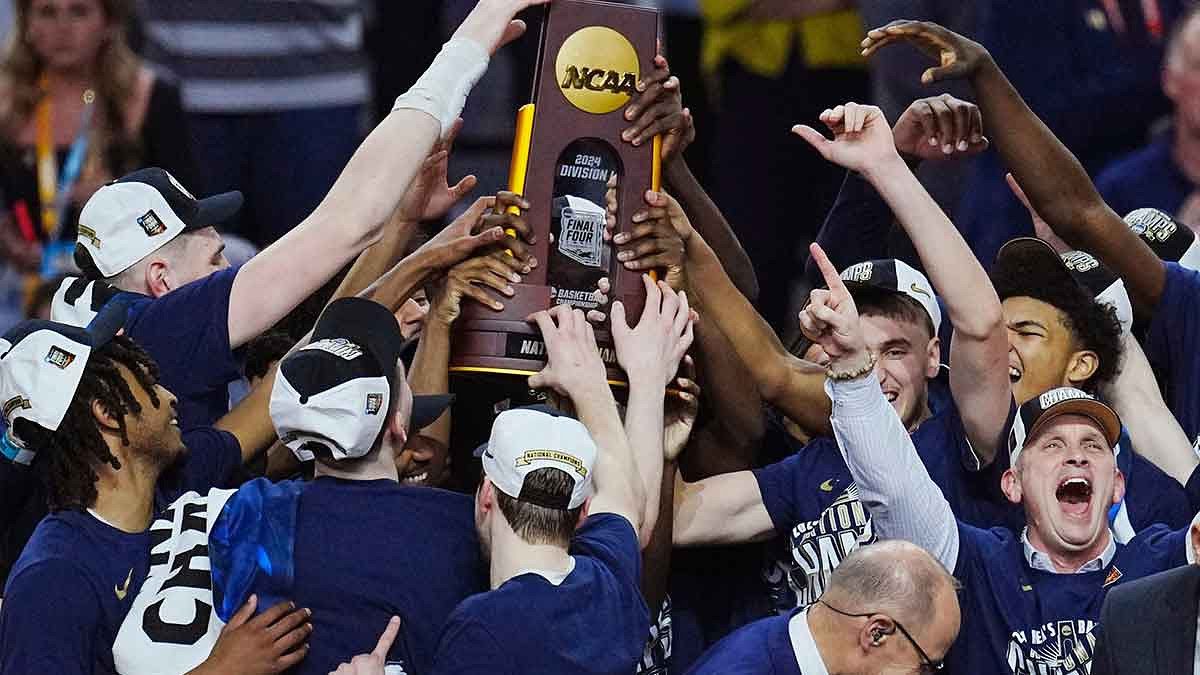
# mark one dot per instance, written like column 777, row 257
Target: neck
column 125, row 497
column 70, row 81
column 378, row 464
column 1186, row 150
column 830, row 638
column 923, row 413
column 1069, row 562
column 512, row 555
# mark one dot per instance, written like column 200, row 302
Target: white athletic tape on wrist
column 442, row 91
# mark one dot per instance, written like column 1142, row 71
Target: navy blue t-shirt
column 1027, row 622
column 595, row 621
column 1145, row 178
column 761, row 648
column 814, row 504
column 1171, row 343
column 186, row 331
column 369, row 550
column 77, row 577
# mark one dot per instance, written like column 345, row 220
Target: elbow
column 982, row 324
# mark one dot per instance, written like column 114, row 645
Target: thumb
column 619, row 324
column 515, row 29
column 244, row 613
column 940, row 73
column 815, row 139
column 464, row 186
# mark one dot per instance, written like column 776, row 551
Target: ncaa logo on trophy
column 570, row 164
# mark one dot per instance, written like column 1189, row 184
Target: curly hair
column 265, row 350
column 72, row 454
column 1093, row 325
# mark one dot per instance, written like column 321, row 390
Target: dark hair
column 538, row 524
column 72, row 454
column 265, row 350
column 87, row 266
column 1093, row 325
column 872, row 301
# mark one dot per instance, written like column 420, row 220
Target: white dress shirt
column 807, row 655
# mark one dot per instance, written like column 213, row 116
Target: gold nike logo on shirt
column 122, row 591
column 827, row 486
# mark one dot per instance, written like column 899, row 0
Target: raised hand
column 1040, row 227
column 958, row 56
column 430, row 196
column 940, row 127
column 373, row 663
column 491, row 24
column 654, row 242
column 862, row 139
column 831, row 319
column 272, row 642
column 482, row 225
column 680, row 418
column 658, row 109
column 470, row 279
column 573, row 364
column 653, row 348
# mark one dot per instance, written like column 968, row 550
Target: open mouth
column 1013, row 373
column 891, row 396
column 1074, row 495
column 416, row 478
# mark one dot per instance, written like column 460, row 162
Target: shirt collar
column 808, row 658
column 1041, row 562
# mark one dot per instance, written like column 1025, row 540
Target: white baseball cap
column 133, row 216
column 895, row 276
column 536, row 437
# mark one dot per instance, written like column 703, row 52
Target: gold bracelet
column 853, row 374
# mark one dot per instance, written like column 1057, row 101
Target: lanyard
column 1150, row 12
column 54, row 189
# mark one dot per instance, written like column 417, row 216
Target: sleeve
column 777, row 483
column 611, row 539
column 1174, row 331
column 1193, row 490
column 165, row 136
column 1158, row 497
column 213, row 458
column 468, row 647
column 894, row 485
column 856, row 228
column 48, row 621
column 187, row 331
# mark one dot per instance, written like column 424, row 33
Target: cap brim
column 1029, row 253
column 427, row 409
column 108, row 322
column 216, row 209
column 1104, row 417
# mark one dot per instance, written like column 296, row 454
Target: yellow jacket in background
column 763, row 47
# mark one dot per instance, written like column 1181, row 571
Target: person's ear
column 398, row 428
column 583, row 512
column 1118, row 486
column 874, row 635
column 485, row 497
column 104, row 417
column 933, row 358
column 1081, row 367
column 1010, row 483
column 158, row 281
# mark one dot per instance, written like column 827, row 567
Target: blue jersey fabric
column 1170, row 345
column 761, row 648
column 186, row 331
column 1145, row 178
column 365, row 551
column 814, row 504
column 595, row 621
column 77, row 576
column 1027, row 622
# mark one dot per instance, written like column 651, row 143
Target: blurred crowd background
column 272, row 97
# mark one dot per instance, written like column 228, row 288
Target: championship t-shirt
column 186, row 331
column 365, row 551
column 1170, row 345
column 593, row 622
column 1021, row 621
column 815, row 507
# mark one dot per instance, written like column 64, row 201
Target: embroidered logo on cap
column 14, row 404
column 151, row 224
column 530, row 456
column 59, row 357
column 88, row 233
column 339, row 347
column 374, row 403
column 1059, row 395
column 921, row 291
column 1080, row 262
column 860, row 273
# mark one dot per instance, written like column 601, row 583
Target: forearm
column 708, row 220
column 1155, row 432
column 400, row 282
column 644, row 431
column 378, row 258
column 903, row 500
column 430, row 373
column 1059, row 188
column 656, row 556
column 616, row 480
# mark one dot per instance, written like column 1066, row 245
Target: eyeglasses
column 928, row 665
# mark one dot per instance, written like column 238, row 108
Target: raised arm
column 351, row 216
column 574, row 369
column 893, row 484
column 650, row 353
column 1057, row 185
column 979, row 351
